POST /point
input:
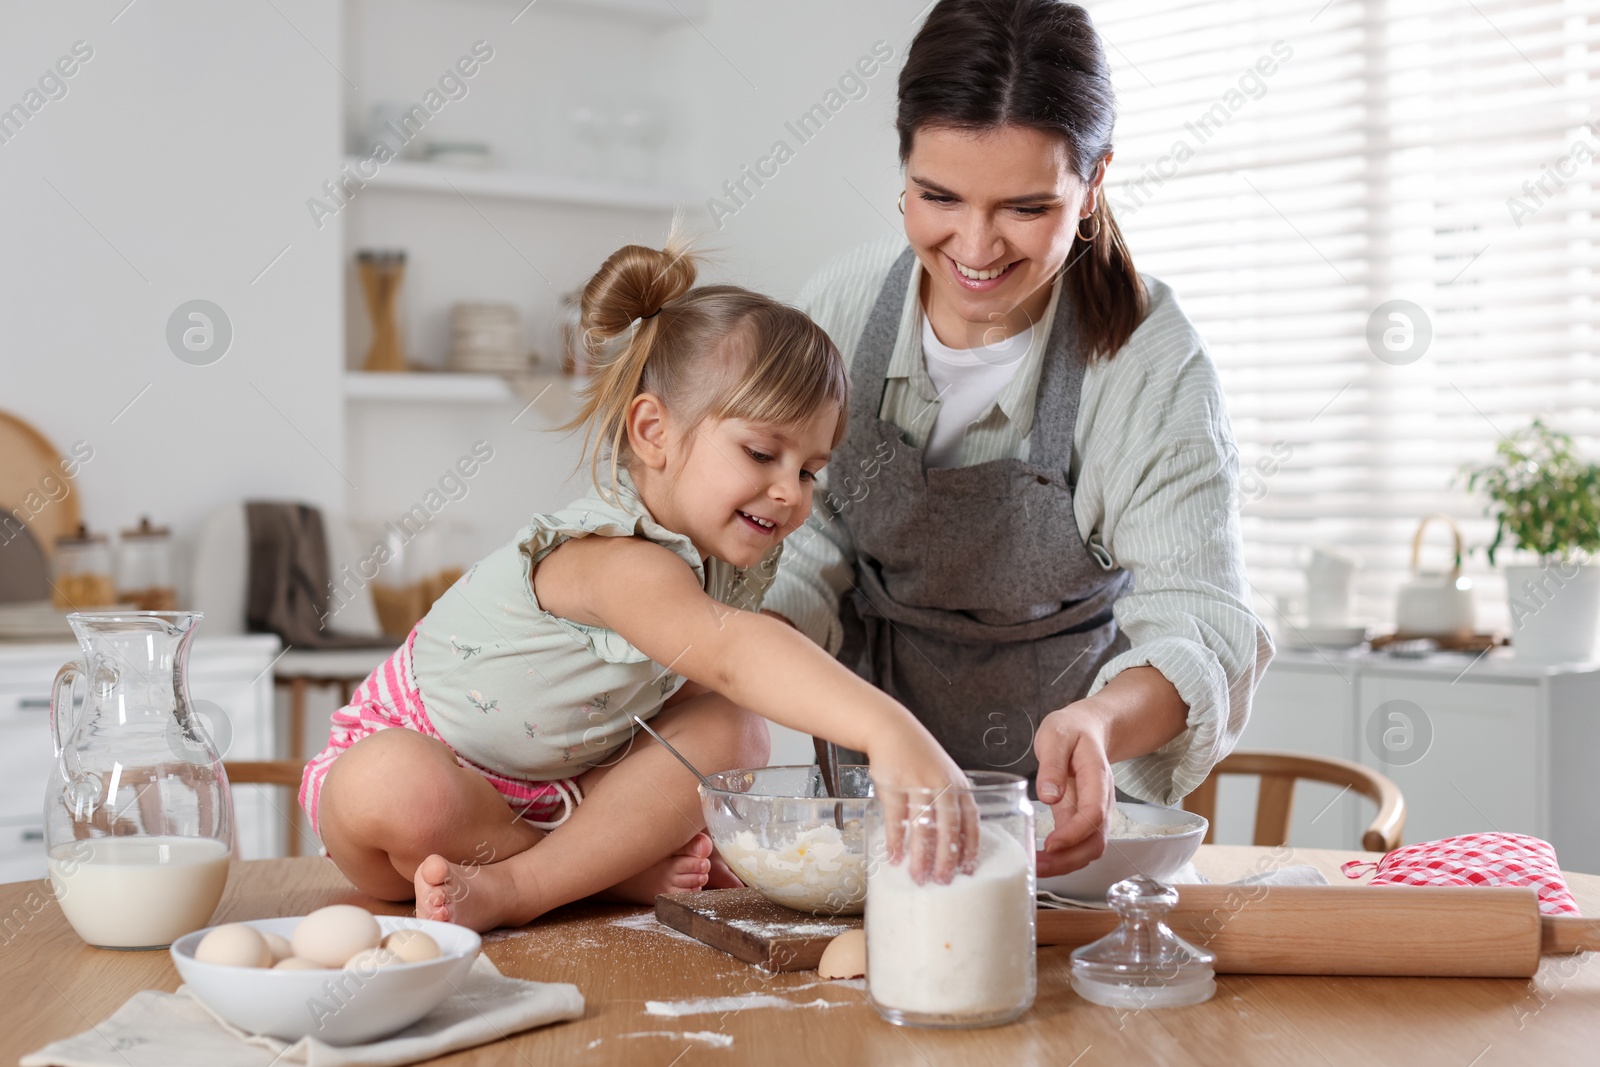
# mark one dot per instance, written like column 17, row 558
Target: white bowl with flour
column 1142, row 839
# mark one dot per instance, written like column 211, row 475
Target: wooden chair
column 285, row 772
column 1275, row 799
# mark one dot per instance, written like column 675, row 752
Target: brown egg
column 331, row 935
column 234, row 945
column 412, row 946
column 297, row 963
column 845, row 956
column 279, row 946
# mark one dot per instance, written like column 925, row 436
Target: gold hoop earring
column 901, row 203
column 1094, row 234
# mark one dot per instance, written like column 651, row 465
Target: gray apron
column 976, row 602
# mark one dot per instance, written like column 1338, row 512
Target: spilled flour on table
column 649, row 923
column 718, row 1005
column 704, row 1037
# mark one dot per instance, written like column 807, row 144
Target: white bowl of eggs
column 340, row 974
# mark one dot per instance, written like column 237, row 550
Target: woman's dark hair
column 984, row 64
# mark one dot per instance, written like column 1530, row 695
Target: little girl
column 490, row 767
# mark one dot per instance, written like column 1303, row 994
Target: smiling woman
column 1048, row 572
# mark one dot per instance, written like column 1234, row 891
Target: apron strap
column 876, row 346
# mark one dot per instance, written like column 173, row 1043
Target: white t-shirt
column 968, row 381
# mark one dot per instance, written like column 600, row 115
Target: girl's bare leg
column 396, row 797
column 637, row 813
column 400, row 797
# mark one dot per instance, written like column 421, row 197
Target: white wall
column 175, row 168
column 839, row 189
column 483, row 248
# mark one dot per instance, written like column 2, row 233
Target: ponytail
column 629, row 294
column 714, row 351
column 1103, row 286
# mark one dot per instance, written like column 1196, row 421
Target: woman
column 1029, row 537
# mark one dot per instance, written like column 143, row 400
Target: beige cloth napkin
column 155, row 1029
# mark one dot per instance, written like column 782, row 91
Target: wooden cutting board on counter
column 749, row 927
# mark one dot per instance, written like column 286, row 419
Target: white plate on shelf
column 1323, row 637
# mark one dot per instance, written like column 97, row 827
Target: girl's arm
column 648, row 595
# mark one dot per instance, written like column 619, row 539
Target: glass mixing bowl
column 781, row 835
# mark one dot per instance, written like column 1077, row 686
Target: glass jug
column 138, row 818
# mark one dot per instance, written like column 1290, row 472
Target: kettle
column 1435, row 603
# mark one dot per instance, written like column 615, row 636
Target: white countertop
column 1498, row 663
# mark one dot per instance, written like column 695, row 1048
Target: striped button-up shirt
column 1156, row 473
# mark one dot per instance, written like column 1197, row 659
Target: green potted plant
column 1545, row 500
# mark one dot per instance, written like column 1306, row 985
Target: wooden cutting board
column 749, row 927
column 34, row 487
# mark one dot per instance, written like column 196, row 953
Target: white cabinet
column 233, row 674
column 1467, row 755
column 1474, row 745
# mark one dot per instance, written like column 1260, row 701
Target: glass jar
column 82, row 572
column 960, row 953
column 138, row 820
column 144, row 568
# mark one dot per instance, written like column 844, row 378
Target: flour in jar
column 818, row 868
column 964, row 949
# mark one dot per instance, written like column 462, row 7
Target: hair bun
column 635, row 282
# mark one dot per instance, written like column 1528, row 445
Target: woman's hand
column 1132, row 715
column 1075, row 780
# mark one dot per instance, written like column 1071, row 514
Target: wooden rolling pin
column 1399, row 931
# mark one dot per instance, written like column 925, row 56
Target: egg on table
column 845, row 956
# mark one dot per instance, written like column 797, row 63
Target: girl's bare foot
column 683, row 872
column 479, row 896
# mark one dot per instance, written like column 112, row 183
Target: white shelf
column 437, row 387
column 517, row 185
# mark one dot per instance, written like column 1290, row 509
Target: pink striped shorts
column 389, row 700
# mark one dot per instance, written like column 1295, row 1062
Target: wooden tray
column 1479, row 642
column 27, row 459
column 749, row 927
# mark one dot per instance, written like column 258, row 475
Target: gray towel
column 289, row 578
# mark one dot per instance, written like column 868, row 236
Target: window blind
column 1291, row 170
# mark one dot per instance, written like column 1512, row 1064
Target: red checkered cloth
column 1476, row 859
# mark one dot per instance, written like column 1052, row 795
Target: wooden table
column 52, row 985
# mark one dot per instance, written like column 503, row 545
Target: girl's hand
column 930, row 819
column 1075, row 780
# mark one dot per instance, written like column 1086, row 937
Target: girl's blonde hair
column 717, row 351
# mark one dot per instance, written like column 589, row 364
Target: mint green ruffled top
column 532, row 695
